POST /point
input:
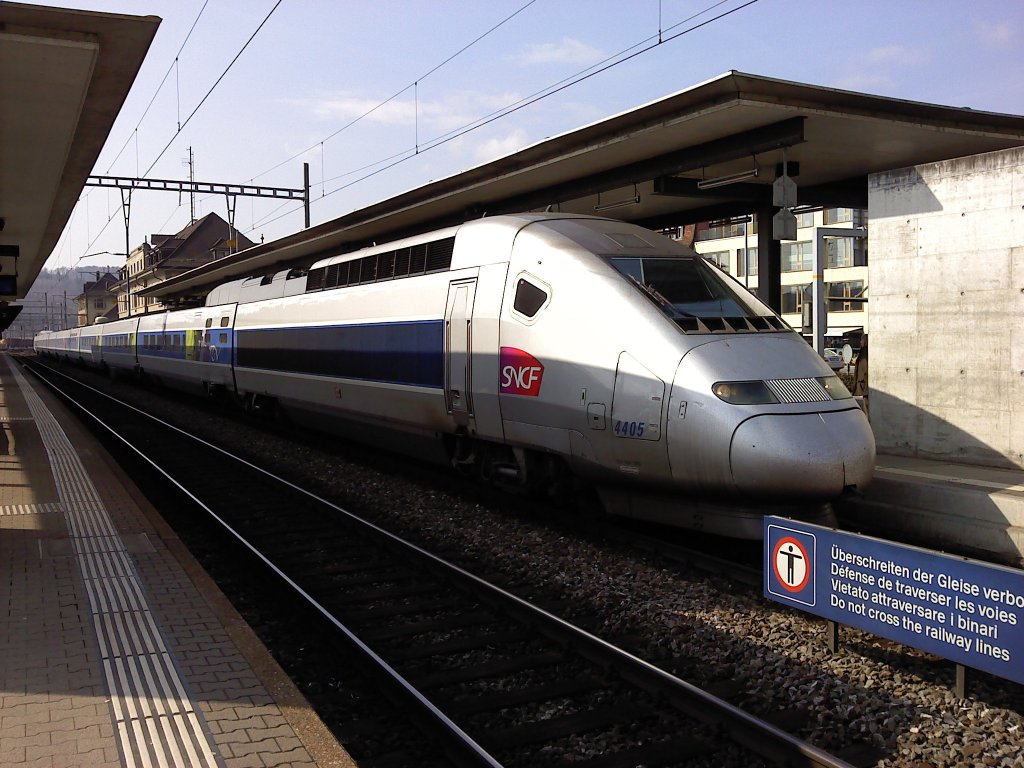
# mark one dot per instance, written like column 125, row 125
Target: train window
column 529, row 298
column 209, row 322
column 689, row 288
column 224, row 322
column 222, row 338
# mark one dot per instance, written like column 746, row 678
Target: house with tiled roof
column 165, row 256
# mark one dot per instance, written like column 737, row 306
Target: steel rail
column 461, row 748
column 745, row 729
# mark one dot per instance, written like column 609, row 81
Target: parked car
column 833, row 358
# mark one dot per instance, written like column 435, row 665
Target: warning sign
column 791, row 574
column 964, row 610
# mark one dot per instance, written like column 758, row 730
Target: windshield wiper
column 660, row 299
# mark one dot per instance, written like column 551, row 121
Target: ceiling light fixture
column 634, row 200
column 730, row 178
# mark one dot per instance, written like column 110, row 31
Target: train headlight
column 744, row 392
column 835, row 387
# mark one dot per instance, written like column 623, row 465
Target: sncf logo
column 521, row 373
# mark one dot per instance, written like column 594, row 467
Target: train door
column 458, row 374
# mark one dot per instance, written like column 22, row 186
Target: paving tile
column 55, row 708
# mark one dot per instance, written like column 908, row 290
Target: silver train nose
column 809, row 455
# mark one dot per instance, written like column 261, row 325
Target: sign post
column 967, row 611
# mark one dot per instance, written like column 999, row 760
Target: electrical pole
column 191, row 181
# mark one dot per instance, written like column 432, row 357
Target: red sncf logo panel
column 521, row 373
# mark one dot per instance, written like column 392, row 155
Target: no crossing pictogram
column 791, row 563
column 789, row 567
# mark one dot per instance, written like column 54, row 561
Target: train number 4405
column 629, row 428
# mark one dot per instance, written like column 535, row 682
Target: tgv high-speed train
column 531, row 349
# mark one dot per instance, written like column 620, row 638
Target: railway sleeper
column 467, row 704
column 456, row 645
column 673, row 752
column 498, row 668
column 565, row 725
column 411, row 629
column 385, row 593
column 376, row 614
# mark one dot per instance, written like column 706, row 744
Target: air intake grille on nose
column 798, row 390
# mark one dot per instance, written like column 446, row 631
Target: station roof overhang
column 64, row 76
column 647, row 166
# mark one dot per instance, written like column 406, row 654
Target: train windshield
column 692, row 288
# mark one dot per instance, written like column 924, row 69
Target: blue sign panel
column 964, row 610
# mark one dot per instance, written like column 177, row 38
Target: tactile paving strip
column 156, row 721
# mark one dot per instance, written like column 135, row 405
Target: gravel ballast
column 870, row 691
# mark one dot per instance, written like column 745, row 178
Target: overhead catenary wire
column 181, row 125
column 585, row 74
column 172, row 67
column 213, row 87
column 662, row 37
column 621, row 57
column 135, row 131
column 414, row 85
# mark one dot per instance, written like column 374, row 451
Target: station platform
column 972, row 510
column 116, row 648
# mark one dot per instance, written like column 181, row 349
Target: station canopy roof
column 64, row 76
column 657, row 166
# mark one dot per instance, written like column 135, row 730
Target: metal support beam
column 232, row 201
column 761, row 140
column 818, row 278
column 126, row 207
column 769, row 260
column 305, row 189
column 171, row 185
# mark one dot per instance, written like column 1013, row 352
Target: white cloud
column 499, row 146
column 995, row 34
column 566, row 51
column 897, row 54
column 453, row 111
column 344, row 106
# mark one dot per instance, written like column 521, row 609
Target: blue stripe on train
column 398, row 353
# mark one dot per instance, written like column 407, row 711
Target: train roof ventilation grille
column 423, row 258
column 730, row 324
column 798, row 390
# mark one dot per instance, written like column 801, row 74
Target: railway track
column 489, row 678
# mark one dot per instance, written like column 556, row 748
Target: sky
column 381, row 97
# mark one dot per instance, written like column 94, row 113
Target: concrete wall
column 946, row 287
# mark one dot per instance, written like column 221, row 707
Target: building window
column 716, row 230
column 751, row 262
column 719, row 258
column 792, row 298
column 805, row 219
column 797, row 257
column 839, row 252
column 98, row 304
column 847, row 289
column 838, row 215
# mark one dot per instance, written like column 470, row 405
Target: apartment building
column 732, row 245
